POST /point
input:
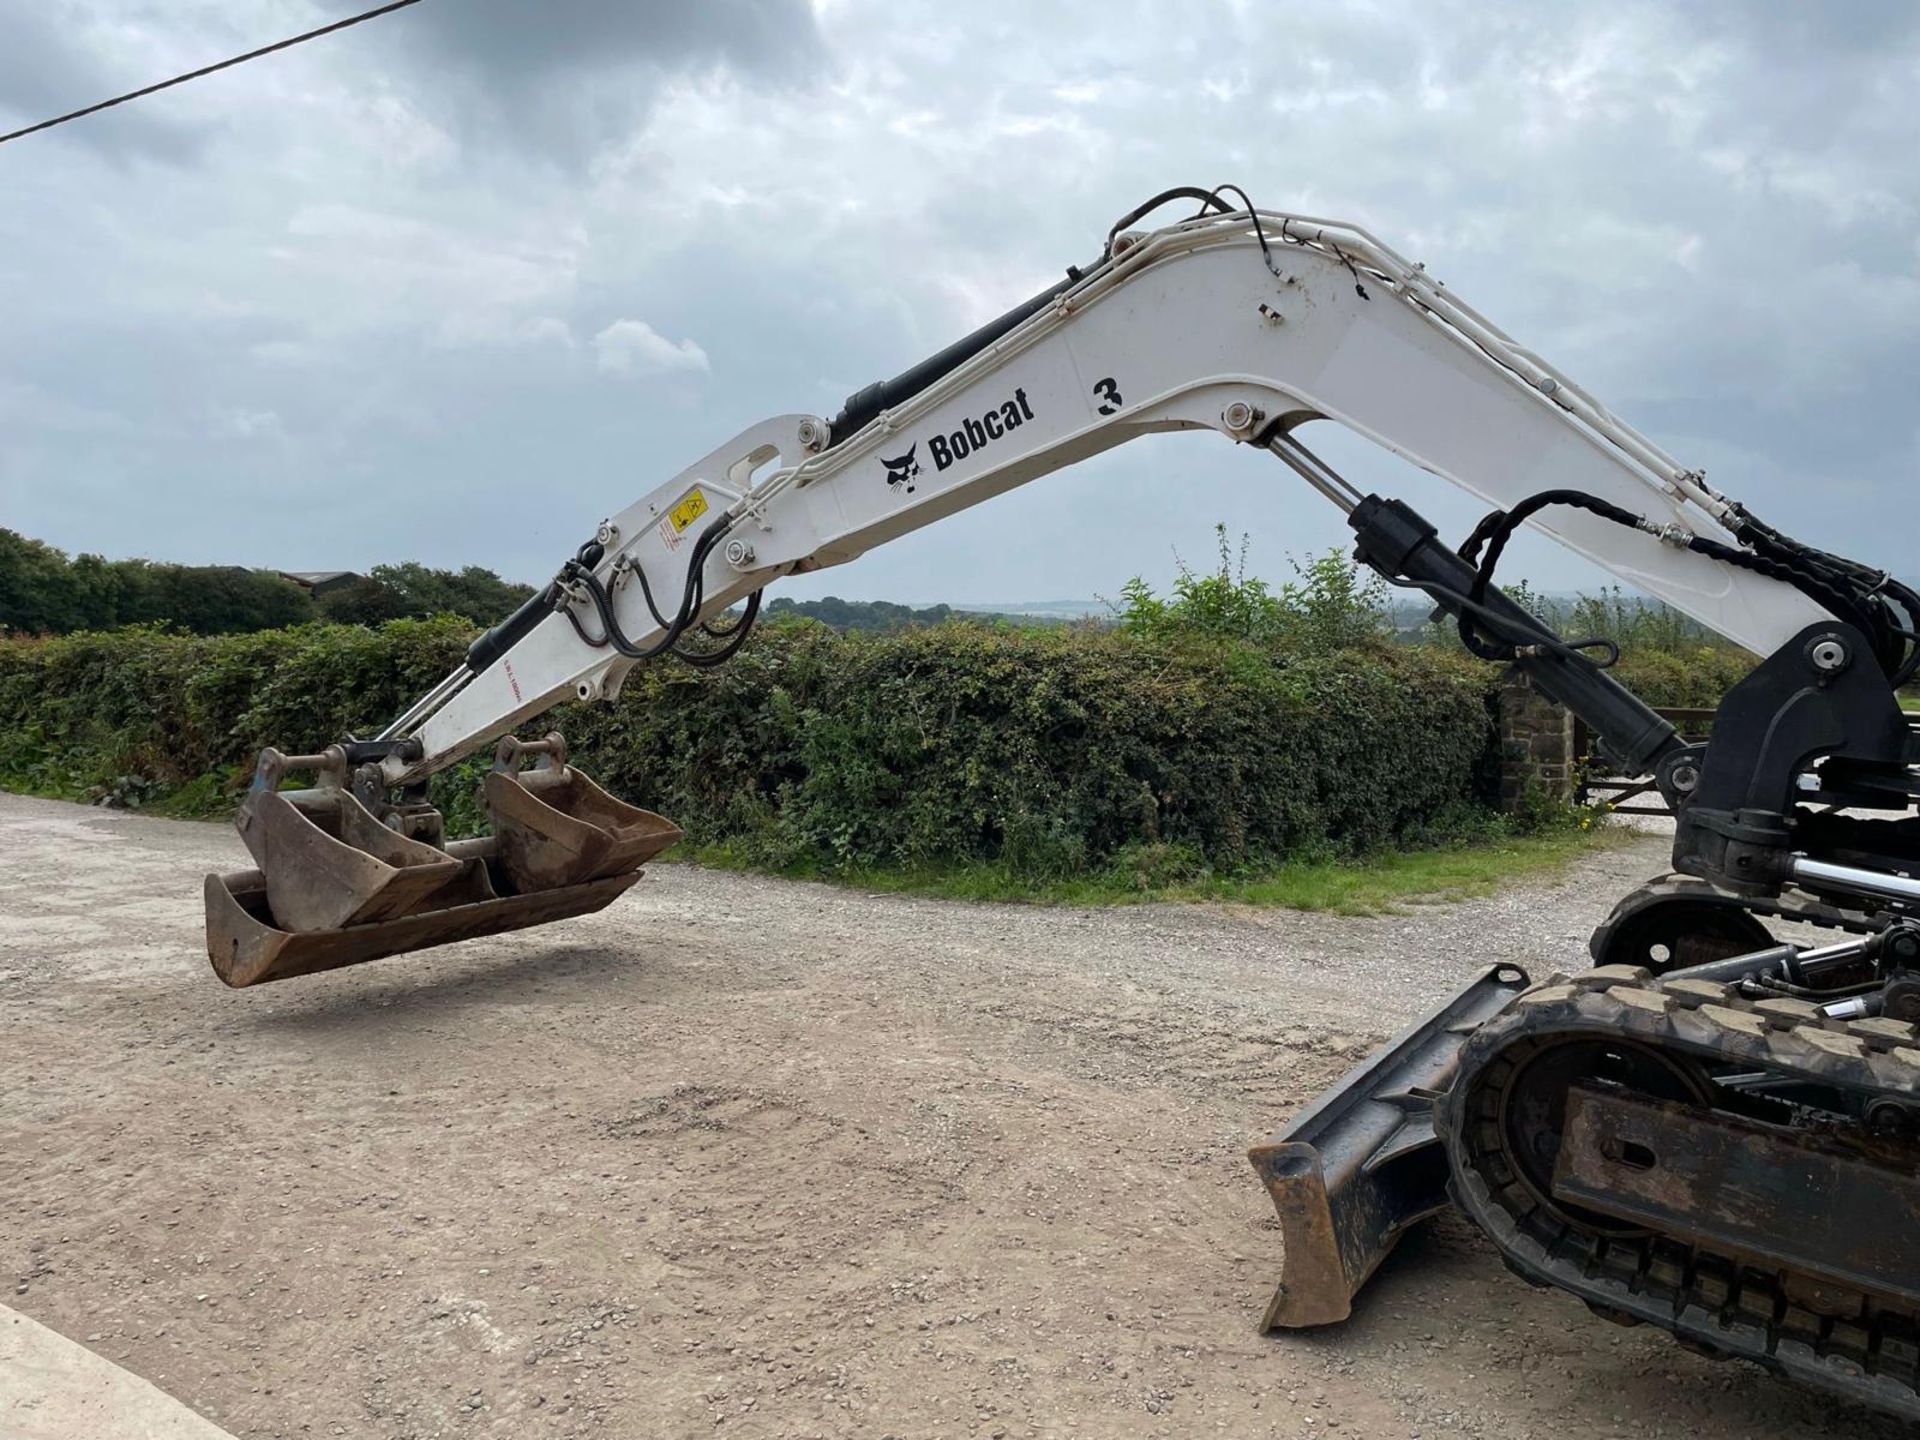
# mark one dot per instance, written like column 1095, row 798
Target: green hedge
column 1049, row 751
column 104, row 708
column 1689, row 676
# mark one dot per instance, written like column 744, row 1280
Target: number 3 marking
column 1109, row 393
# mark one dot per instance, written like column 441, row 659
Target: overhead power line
column 209, row 69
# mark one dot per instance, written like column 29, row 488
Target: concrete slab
column 54, row 1389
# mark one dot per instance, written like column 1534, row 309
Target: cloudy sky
column 453, row 284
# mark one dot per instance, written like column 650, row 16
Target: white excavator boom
column 1247, row 324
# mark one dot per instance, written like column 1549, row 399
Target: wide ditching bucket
column 339, row 884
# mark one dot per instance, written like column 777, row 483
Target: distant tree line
column 876, row 616
column 411, row 591
column 44, row 592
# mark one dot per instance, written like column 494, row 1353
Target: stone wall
column 1537, row 750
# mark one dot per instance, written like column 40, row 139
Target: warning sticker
column 688, row 510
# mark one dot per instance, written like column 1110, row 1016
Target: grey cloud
column 519, row 41
column 1861, row 27
column 566, row 78
column 48, row 69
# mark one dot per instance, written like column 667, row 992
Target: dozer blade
column 1361, row 1165
column 336, row 886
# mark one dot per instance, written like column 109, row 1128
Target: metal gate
column 1599, row 784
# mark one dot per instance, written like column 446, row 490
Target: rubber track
column 1712, row 1303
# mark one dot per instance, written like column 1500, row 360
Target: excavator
column 1708, row 1129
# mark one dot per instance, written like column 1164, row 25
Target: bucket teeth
column 335, row 886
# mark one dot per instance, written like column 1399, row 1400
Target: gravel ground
column 752, row 1158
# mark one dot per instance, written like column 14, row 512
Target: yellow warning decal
column 688, row 510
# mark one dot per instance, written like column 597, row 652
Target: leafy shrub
column 1149, row 865
column 1695, row 676
column 841, row 614
column 414, row 591
column 1636, row 623
column 42, row 591
column 84, row 710
column 1051, row 752
column 1332, row 605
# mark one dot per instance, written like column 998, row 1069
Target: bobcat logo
column 902, row 470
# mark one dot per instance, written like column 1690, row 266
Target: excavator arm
column 1245, row 324
column 1581, row 1124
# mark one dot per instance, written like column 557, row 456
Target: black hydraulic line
column 690, row 599
column 1456, row 602
column 1898, row 645
column 646, row 594
column 735, row 636
column 1209, row 199
column 610, row 631
column 712, row 633
column 1493, row 532
column 579, row 573
column 1259, row 230
column 1849, row 591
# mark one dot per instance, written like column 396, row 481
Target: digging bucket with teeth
column 343, row 876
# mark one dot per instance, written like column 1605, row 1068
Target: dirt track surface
column 741, row 1157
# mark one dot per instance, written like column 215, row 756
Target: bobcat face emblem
column 903, row 469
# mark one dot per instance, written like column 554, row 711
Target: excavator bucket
column 1361, row 1165
column 338, row 885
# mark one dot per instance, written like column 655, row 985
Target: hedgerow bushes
column 1692, row 676
column 101, row 707
column 1048, row 751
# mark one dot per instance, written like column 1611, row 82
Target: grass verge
column 1478, row 863
column 1375, row 885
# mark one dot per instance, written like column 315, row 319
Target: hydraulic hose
column 580, row 572
column 1862, row 598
